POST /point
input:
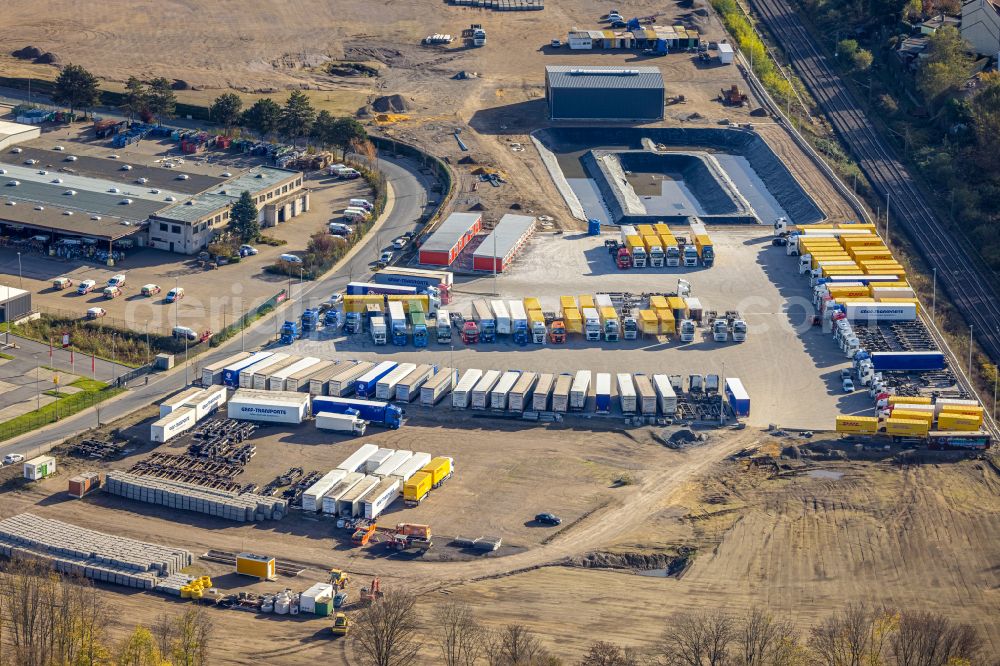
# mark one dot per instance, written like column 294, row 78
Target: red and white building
column 450, row 238
column 500, row 248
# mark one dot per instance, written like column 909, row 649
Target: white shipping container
column 416, row 463
column 179, row 400
column 881, row 311
column 342, row 488
column 561, row 392
column 384, row 494
column 481, row 392
column 463, row 390
column 39, row 468
column 385, row 389
column 438, row 386
column 249, row 376
column 207, row 402
column 317, row 383
column 300, row 380
column 520, row 395
column 212, row 374
column 580, row 390
column 356, row 461
column 312, row 498
column 259, row 381
column 319, row 592
column 392, row 463
column 376, row 459
column 502, row 317
column 626, row 393
column 342, row 383
column 517, row 312
column 542, row 392
column 349, row 506
column 501, row 392
column 646, row 395
column 276, row 380
column 892, row 292
column 603, row 301
column 270, row 407
column 408, row 388
column 176, row 422
column 666, row 393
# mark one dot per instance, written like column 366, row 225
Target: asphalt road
column 411, row 187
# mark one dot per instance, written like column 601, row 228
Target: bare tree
column 513, row 645
column 603, row 653
column 764, row 641
column 164, row 632
column 857, row 636
column 29, row 590
column 458, row 634
column 929, row 639
column 385, row 631
column 696, row 640
column 193, row 631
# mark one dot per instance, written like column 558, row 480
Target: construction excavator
column 373, row 592
column 339, row 579
column 405, row 536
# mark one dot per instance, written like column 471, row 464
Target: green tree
column 297, row 116
column 162, row 101
column 243, row 218
column 139, row 649
column 946, row 66
column 344, row 131
column 862, row 60
column 263, row 117
column 226, row 110
column 986, row 123
column 136, row 98
column 322, row 128
column 846, row 48
column 76, row 88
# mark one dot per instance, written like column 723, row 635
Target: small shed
column 39, row 468
column 725, row 53
column 501, row 246
column 14, row 304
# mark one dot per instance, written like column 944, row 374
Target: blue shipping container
column 231, row 374
column 737, row 397
column 923, row 360
column 362, row 288
column 364, row 386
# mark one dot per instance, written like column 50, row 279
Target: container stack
column 82, row 552
column 244, row 507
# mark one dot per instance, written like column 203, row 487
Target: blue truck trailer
column 737, row 397
column 364, row 386
column 363, row 288
column 377, row 413
column 231, row 374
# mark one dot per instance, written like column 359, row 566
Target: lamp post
column 934, row 299
column 970, row 351
column 20, row 277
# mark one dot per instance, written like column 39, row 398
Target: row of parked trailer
column 181, row 412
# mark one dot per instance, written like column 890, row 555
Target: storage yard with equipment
column 628, row 369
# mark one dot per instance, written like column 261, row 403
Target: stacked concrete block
column 241, row 508
column 82, row 552
column 173, row 583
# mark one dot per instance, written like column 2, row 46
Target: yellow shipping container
column 573, row 321
column 901, row 283
column 651, row 241
column 532, row 304
column 899, row 300
column 259, row 566
column 607, row 312
column 677, row 304
column 668, row 325
column 900, row 413
column 660, row 228
column 861, row 241
column 658, row 303
column 359, row 303
column 838, row 293
column 841, row 270
column 871, row 253
column 667, row 240
column 649, row 323
column 567, row 303
column 586, row 301
column 416, row 487
column 634, row 241
column 857, row 424
column 536, row 316
column 910, row 400
column 948, row 421
column 406, row 299
column 440, row 470
column 906, row 427
column 646, row 229
column 967, row 410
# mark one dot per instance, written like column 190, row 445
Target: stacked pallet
column 82, row 552
column 503, row 5
column 190, row 497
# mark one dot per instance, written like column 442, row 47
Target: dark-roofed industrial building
column 616, row 94
column 15, row 304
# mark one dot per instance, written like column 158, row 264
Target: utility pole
column 887, row 218
column 20, row 277
column 934, row 299
column 495, row 261
column 970, row 351
column 176, row 298
column 722, row 393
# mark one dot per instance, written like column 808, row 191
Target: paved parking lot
column 790, row 369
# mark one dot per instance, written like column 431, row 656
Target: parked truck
column 610, row 324
column 482, row 315
column 442, row 326
column 376, row 413
column 397, row 324
column 501, row 316
column 687, row 330
column 364, row 386
column 518, row 323
column 591, row 324
column 654, row 250
column 419, row 329
column 378, row 330
column 538, row 331
column 637, row 250
column 346, row 423
column 690, row 255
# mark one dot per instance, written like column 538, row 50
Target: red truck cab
column 624, row 259
column 470, row 333
column 557, row 332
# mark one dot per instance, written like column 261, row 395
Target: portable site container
column 277, row 381
column 385, row 389
column 260, row 379
column 462, row 394
column 481, row 391
column 301, row 379
column 408, row 388
column 176, row 401
column 376, row 459
column 258, row 566
column 500, row 395
column 560, row 393
column 602, row 392
column 542, row 392
column 384, row 494
column 356, row 460
column 39, row 468
column 364, row 386
column 626, row 393
column 580, row 390
column 317, row 594
column 212, row 374
column 520, row 395
column 247, row 375
column 349, row 506
column 312, row 497
column 343, row 382
column 343, row 486
column 658, row 302
column 667, row 395
column 176, row 422
column 207, row 402
column 392, row 463
column 438, row 386
column 231, row 373
column 668, row 325
column 646, row 396
column 83, row 484
column 318, row 382
column 678, row 306
column 586, row 301
column 414, row 464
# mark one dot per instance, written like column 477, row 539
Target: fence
column 440, row 170
column 55, row 411
column 249, row 318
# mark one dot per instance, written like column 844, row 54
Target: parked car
column 781, row 241
column 848, row 386
column 338, row 229
column 150, row 289
column 399, row 243
column 86, row 287
column 556, row 44
column 247, row 250
column 185, row 333
column 409, row 235
column 548, row 519
column 62, row 283
column 175, row 294
column 291, row 258
column 12, row 458
column 617, row 24
column 96, row 313
column 386, row 257
column 117, row 281
column 112, row 292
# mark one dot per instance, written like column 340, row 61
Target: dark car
column 618, row 24
column 548, row 519
column 781, row 241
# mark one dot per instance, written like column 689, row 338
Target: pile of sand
column 27, row 53
column 390, row 104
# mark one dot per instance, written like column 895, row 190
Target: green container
column 323, row 608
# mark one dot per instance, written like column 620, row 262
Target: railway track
column 959, row 270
